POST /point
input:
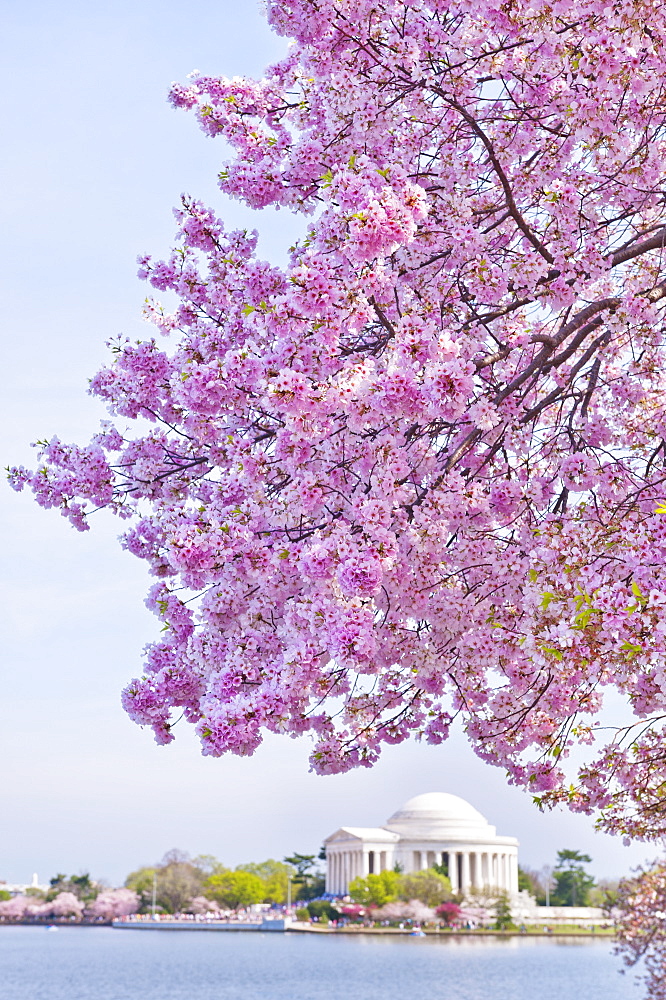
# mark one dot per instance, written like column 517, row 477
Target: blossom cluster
column 640, row 927
column 416, row 474
column 110, row 903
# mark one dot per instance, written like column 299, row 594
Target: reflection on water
column 81, row 963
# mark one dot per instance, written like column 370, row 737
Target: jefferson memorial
column 431, row 829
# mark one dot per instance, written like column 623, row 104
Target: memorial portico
column 431, row 829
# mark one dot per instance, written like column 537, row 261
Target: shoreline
column 295, row 928
column 428, row 932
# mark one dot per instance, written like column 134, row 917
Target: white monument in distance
column 432, row 829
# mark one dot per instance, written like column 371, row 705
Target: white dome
column 437, row 814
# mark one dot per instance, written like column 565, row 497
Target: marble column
column 514, row 873
column 465, row 871
column 477, row 881
column 453, row 871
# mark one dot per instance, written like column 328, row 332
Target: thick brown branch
column 656, row 242
column 382, row 317
column 503, row 179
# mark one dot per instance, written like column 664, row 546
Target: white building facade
column 18, row 888
column 431, row 829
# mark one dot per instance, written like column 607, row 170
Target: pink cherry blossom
column 15, row 908
column 416, row 476
column 112, row 903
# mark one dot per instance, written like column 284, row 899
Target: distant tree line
column 177, row 884
column 180, row 881
column 568, row 883
column 430, row 887
column 202, row 884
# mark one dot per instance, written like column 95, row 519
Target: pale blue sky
column 93, row 161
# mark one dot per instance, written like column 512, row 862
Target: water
column 79, row 963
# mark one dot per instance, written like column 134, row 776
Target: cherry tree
column 20, row 907
column 14, row 908
column 66, row 904
column 416, row 474
column 449, row 913
column 112, row 903
column 413, row 909
column 641, row 925
column 201, row 906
